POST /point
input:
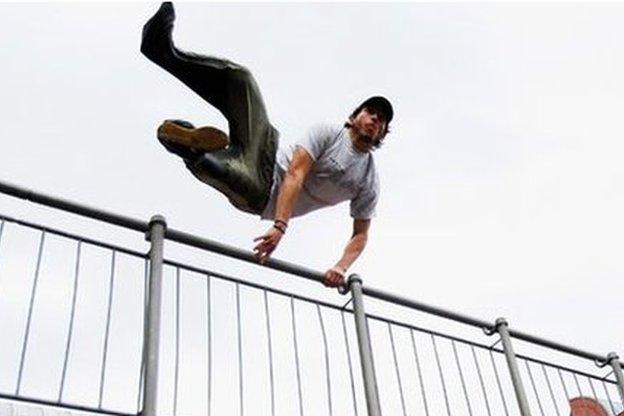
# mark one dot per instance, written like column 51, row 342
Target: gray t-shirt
column 339, row 173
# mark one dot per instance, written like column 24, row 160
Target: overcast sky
column 501, row 179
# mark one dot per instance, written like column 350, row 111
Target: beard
column 367, row 142
column 363, row 135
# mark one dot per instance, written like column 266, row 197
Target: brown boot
column 201, row 139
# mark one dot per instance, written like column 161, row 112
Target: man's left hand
column 334, row 277
column 268, row 243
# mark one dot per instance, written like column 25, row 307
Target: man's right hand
column 335, row 277
column 268, row 243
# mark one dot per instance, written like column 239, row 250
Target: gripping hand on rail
column 267, row 244
column 334, row 277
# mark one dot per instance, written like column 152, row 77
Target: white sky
column 501, row 181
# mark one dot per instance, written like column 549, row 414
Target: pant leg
column 244, row 170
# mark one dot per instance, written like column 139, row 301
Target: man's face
column 370, row 125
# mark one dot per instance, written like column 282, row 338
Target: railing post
column 151, row 340
column 614, row 362
column 502, row 327
column 364, row 345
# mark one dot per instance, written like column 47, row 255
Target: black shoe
column 157, row 31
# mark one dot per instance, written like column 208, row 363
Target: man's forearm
column 287, row 196
column 352, row 251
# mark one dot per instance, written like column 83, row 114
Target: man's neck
column 354, row 136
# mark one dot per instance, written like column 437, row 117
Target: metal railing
column 81, row 261
column 266, row 348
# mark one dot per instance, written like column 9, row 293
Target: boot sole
column 202, row 139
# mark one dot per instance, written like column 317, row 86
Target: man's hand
column 335, row 277
column 268, row 243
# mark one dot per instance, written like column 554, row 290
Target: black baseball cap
column 379, row 103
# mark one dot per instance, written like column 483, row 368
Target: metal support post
column 502, row 327
column 614, row 362
column 151, row 340
column 364, row 345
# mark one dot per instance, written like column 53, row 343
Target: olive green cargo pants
column 243, row 171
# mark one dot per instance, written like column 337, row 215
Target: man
column 332, row 164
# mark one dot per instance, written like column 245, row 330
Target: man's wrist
column 279, row 228
column 281, row 222
column 280, row 225
column 340, row 268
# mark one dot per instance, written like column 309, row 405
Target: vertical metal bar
column 30, row 310
column 441, row 374
column 70, row 330
column 176, row 361
column 270, row 349
column 539, row 402
column 145, row 299
column 156, row 236
column 348, row 350
column 240, row 350
column 498, row 383
column 565, row 389
column 1, row 229
column 111, row 288
column 502, row 327
column 604, row 386
column 209, row 341
column 591, row 387
column 614, row 361
column 296, row 347
column 461, row 377
column 420, row 378
column 578, row 385
column 327, row 370
column 485, row 397
column 552, row 394
column 396, row 369
column 364, row 345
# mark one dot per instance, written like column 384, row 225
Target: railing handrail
column 291, row 268
column 455, row 316
column 143, row 226
column 73, row 207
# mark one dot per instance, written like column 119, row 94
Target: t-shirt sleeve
column 364, row 205
column 316, row 140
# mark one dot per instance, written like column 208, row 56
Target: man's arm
column 286, row 198
column 335, row 276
